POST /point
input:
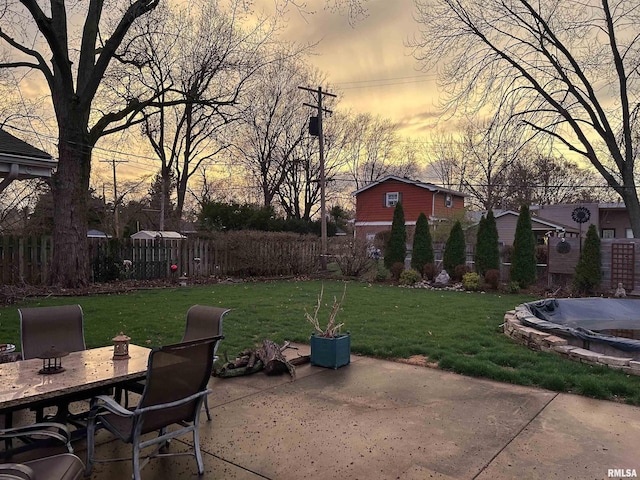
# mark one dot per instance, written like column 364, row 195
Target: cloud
column 368, row 64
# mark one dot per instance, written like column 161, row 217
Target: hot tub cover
column 585, row 318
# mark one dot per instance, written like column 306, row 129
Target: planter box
column 331, row 352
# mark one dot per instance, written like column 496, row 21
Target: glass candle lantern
column 121, row 347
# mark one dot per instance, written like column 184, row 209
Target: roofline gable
column 427, row 186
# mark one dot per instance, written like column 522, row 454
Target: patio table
column 86, row 371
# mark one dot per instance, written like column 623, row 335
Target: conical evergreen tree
column 523, row 257
column 422, row 244
column 396, row 248
column 589, row 269
column 454, row 250
column 487, row 250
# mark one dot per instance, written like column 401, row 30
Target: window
column 608, row 233
column 448, row 201
column 628, row 233
column 391, row 199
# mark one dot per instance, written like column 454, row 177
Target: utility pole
column 320, row 134
column 116, row 218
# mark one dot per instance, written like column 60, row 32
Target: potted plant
column 329, row 347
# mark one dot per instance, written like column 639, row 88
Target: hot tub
column 605, row 325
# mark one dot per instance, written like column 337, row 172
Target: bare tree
column 299, row 194
column 275, row 123
column 204, row 58
column 16, row 203
column 72, row 47
column 374, row 150
column 567, row 68
column 446, row 164
column 544, row 179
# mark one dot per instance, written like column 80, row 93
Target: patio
column 379, row 419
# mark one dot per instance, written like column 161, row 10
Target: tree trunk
column 630, row 198
column 70, row 262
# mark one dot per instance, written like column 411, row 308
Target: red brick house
column 376, row 202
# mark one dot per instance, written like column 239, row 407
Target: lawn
column 460, row 331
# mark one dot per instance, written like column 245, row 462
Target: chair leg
column 206, row 408
column 136, row 460
column 196, row 448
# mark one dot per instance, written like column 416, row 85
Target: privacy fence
column 27, row 259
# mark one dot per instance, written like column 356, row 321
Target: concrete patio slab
column 376, row 419
column 573, row 438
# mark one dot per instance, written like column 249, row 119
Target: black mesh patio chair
column 174, row 390
column 42, row 328
column 38, row 439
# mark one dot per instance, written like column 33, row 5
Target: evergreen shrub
column 396, row 248
column 588, row 272
column 523, row 258
column 422, row 253
column 455, row 249
column 409, row 277
column 471, row 281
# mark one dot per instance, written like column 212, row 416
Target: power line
column 376, row 85
column 425, row 76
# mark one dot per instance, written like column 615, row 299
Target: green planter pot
column 331, row 352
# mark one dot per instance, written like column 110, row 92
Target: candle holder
column 121, row 347
column 52, row 361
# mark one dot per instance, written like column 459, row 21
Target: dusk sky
column 368, row 62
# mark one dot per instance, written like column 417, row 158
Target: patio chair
column 60, row 466
column 44, row 327
column 41, row 328
column 175, row 387
column 203, row 321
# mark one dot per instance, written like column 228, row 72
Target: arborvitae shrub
column 487, row 251
column 422, row 245
column 455, row 249
column 588, row 272
column 396, row 248
column 523, row 258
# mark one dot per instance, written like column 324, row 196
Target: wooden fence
column 27, row 259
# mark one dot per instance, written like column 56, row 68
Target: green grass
column 461, row 331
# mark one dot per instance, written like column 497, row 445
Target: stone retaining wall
column 546, row 342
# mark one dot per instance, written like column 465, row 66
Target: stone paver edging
column 547, row 342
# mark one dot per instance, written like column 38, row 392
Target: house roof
column 19, row 160
column 428, row 186
column 14, row 146
column 153, row 234
column 541, row 223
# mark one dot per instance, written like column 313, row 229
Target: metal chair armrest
column 103, row 402
column 175, row 403
column 16, row 470
column 53, row 430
